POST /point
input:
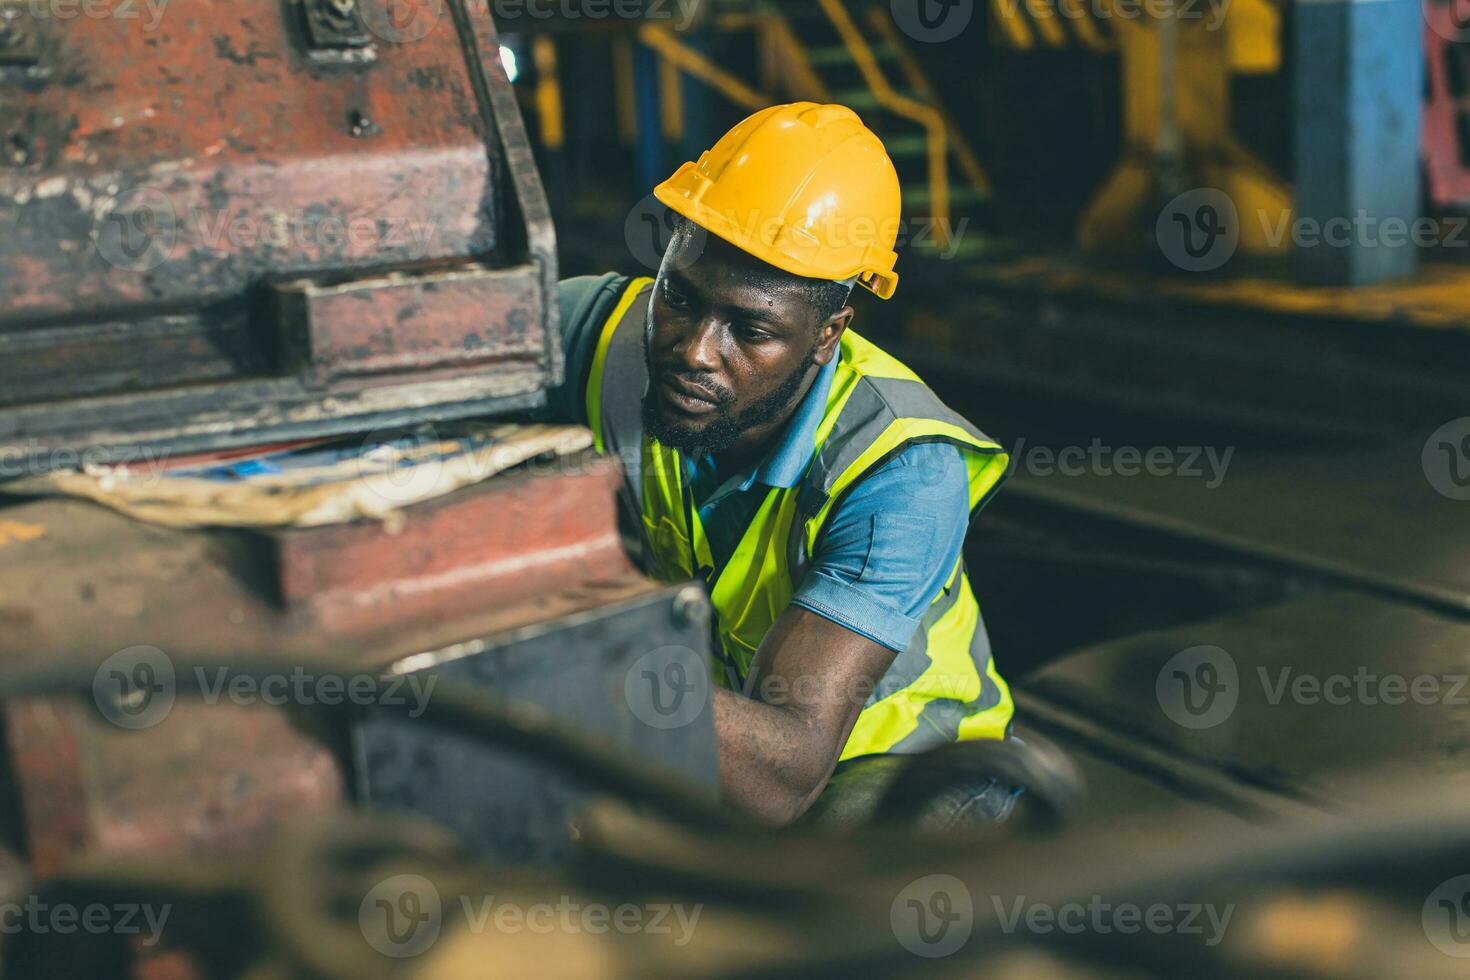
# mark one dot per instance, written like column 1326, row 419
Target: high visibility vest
column 944, row 686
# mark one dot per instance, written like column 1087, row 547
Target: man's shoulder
column 579, row 295
column 932, row 471
column 893, row 390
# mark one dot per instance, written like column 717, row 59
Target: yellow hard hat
column 804, row 187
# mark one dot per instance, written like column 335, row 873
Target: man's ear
column 829, row 334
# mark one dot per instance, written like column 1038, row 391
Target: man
column 812, row 482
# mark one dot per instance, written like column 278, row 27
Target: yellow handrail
column 663, row 41
column 926, row 116
column 803, row 74
column 919, row 82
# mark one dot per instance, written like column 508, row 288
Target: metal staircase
column 851, row 52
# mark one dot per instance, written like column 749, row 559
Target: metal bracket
column 337, row 33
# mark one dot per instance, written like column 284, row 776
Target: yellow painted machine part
column 627, row 102
column 913, row 73
column 1208, row 155
column 548, row 93
column 671, row 100
column 1254, row 30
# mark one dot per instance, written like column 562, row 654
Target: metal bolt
column 691, row 607
column 18, row 150
column 360, row 124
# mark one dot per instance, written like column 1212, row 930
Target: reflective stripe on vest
column 944, row 685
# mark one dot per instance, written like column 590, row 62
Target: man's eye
column 675, row 299
column 752, row 335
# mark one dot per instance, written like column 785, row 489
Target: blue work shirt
column 889, row 545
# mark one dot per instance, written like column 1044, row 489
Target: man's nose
column 697, row 350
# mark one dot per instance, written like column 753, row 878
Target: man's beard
column 719, row 431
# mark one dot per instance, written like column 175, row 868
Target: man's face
column 728, row 358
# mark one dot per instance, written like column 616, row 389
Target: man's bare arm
column 808, row 682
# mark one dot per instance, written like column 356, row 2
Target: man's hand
column 779, row 744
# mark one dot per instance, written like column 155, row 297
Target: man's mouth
column 687, row 398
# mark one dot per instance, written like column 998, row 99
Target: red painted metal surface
column 412, row 323
column 1447, row 104
column 525, row 547
column 216, row 115
column 497, row 544
column 162, row 173
column 209, row 778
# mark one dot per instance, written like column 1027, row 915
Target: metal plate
column 1376, row 516
column 592, row 670
column 1274, row 698
column 173, row 172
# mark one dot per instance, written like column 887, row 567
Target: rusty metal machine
column 232, row 232
column 227, row 225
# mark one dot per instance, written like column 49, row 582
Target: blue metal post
column 698, row 108
column 1359, row 87
column 650, row 163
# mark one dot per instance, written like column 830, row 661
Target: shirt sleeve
column 585, row 303
column 891, row 545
